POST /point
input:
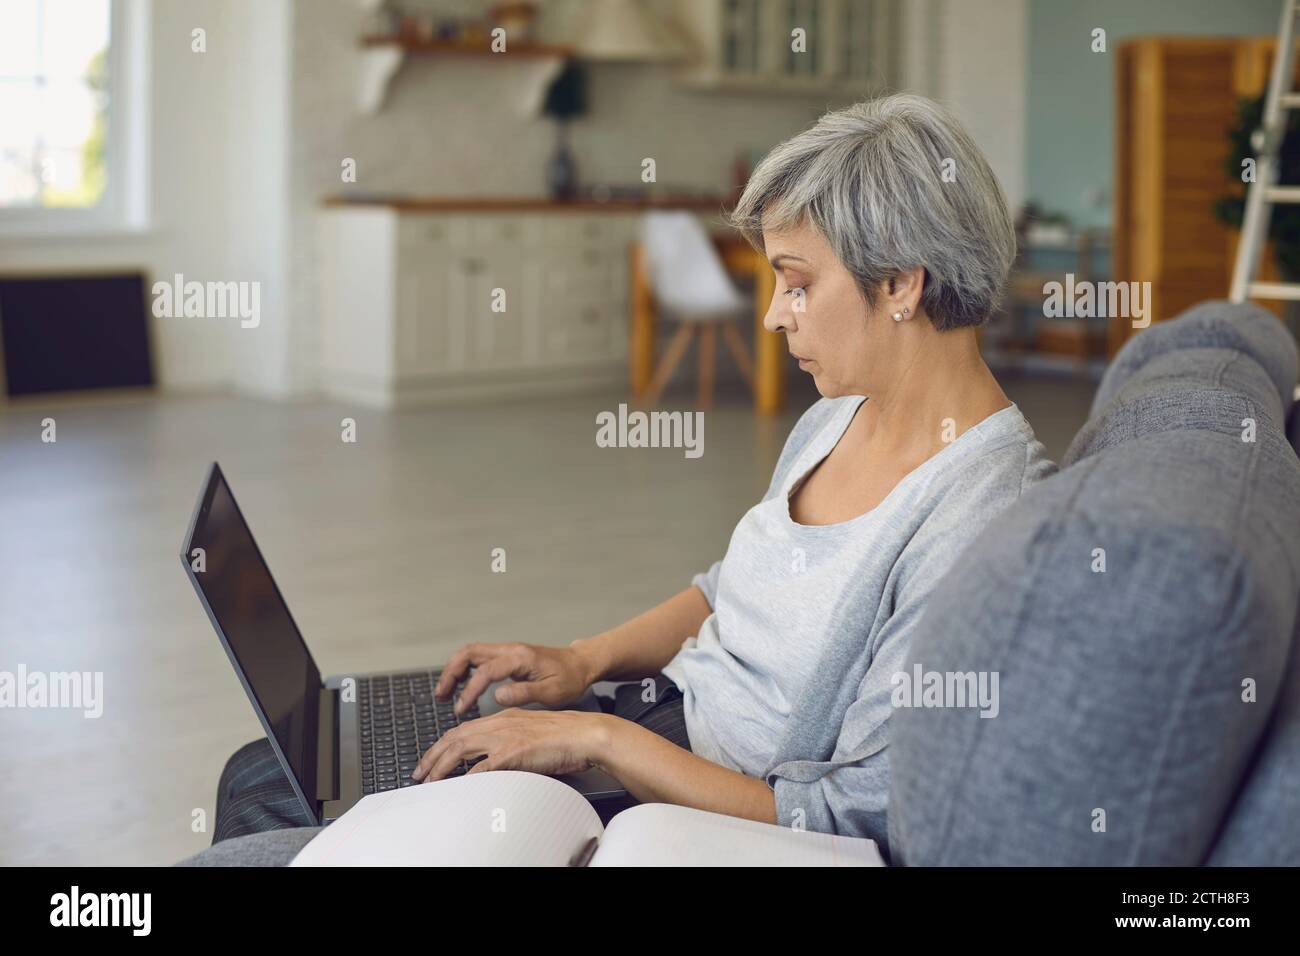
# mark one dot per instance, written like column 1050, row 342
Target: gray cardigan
column 830, row 769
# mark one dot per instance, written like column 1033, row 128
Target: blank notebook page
column 659, row 834
column 498, row 818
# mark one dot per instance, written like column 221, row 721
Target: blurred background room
column 418, row 229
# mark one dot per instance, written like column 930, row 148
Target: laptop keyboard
column 400, row 720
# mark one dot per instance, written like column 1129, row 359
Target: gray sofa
column 1125, row 731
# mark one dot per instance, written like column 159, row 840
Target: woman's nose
column 779, row 317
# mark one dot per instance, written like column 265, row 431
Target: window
column 64, row 139
column 741, row 36
column 804, row 15
column 856, row 60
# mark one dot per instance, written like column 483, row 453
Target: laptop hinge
column 327, row 737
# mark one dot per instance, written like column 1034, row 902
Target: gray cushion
column 1119, row 692
column 1217, row 324
column 1260, row 829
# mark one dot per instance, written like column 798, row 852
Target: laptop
column 340, row 738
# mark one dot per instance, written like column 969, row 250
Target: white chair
column 691, row 287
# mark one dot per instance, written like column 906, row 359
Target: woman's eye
column 797, row 290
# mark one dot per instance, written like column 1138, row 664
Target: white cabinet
column 829, row 47
column 426, row 306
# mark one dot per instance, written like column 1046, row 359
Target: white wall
column 256, row 183
column 971, row 56
column 216, row 201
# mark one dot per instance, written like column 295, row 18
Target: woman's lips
column 803, row 362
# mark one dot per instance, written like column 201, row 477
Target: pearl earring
column 898, row 316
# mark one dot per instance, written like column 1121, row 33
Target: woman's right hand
column 552, row 676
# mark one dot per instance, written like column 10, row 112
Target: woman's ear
column 906, row 287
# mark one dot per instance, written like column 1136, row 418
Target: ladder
column 1264, row 192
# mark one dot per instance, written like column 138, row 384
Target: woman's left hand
column 543, row 741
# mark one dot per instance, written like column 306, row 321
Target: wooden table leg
column 769, row 347
column 707, row 360
column 641, row 335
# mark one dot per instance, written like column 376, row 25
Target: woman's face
column 845, row 345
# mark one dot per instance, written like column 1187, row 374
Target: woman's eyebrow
column 776, row 260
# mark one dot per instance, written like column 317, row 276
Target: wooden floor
column 382, row 549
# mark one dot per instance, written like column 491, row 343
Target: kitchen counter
column 447, row 298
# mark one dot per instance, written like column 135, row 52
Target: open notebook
column 511, row 818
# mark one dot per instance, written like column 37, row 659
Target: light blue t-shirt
column 774, row 592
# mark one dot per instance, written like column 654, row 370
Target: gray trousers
column 260, row 821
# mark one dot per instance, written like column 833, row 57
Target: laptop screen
column 257, row 628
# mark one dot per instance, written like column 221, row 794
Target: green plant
column 1284, row 225
column 93, row 174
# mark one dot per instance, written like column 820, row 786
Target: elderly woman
column 774, row 671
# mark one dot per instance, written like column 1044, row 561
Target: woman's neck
column 942, row 390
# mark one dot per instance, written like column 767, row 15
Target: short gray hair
column 870, row 179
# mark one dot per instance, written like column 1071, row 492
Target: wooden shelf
column 431, row 47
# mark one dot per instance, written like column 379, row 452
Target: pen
column 583, row 856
